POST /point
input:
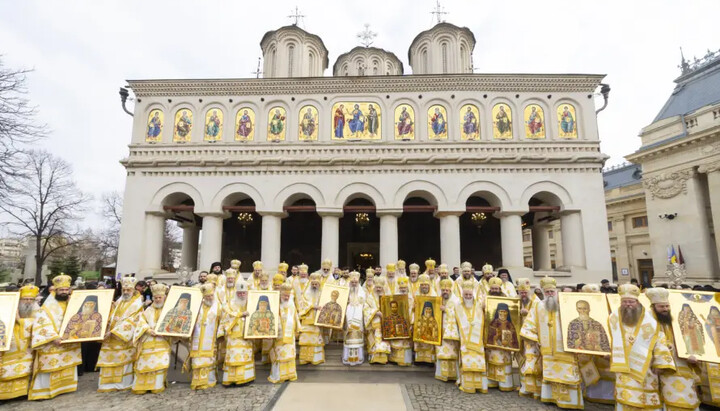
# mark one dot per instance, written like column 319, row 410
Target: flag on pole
column 680, row 258
column 672, row 256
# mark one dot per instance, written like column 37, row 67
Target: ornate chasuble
column 457, row 287
column 239, row 351
column 16, row 363
column 46, row 329
column 124, row 318
column 354, row 325
column 508, row 289
column 470, row 323
column 678, row 389
column 153, row 352
column 448, row 349
column 373, row 326
column 284, row 346
column 203, row 339
column 543, row 327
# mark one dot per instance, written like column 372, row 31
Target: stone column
column 270, row 244
column 154, row 231
column 713, row 178
column 540, row 248
column 388, row 236
column 622, row 256
column 191, row 235
column 511, row 240
column 449, row 238
column 212, row 231
column 330, row 235
column 573, row 242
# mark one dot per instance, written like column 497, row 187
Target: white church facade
column 370, row 165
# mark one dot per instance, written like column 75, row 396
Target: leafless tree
column 172, row 239
column 44, row 205
column 18, row 125
column 109, row 236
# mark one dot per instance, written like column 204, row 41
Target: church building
column 369, row 165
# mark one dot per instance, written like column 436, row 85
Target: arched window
column 311, row 64
column 291, row 54
column 444, row 58
column 424, row 67
column 272, row 62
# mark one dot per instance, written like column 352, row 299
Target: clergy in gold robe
column 528, row 358
column 254, row 279
column 560, row 371
column 639, row 353
column 16, row 363
column 710, row 383
column 447, row 353
column 390, row 278
column 153, row 351
column 263, row 283
column 413, row 275
column 601, row 386
column 465, row 276
column 118, row 349
column 369, row 284
column 507, row 287
column 55, row 369
column 378, row 349
column 487, row 274
column 443, row 273
column 425, row 352
column 469, row 315
column 354, row 331
column 203, row 341
column 312, row 344
column 678, row 389
column 238, row 364
column 401, row 351
column 501, row 332
column 326, row 272
column 282, row 353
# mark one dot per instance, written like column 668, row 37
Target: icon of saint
column 86, row 323
column 331, row 312
column 262, row 321
column 502, row 332
column 584, row 333
column 178, row 320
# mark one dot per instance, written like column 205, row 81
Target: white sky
column 82, row 51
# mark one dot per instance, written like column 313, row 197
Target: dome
column 445, row 48
column 293, row 52
column 367, row 61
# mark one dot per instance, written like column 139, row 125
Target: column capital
column 709, row 167
column 329, row 211
column 445, row 213
column 396, row 212
column 219, row 214
column 270, row 213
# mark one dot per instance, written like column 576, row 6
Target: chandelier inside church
column 362, row 220
column 245, row 219
column 478, row 219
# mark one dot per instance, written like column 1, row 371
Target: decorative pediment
column 668, row 185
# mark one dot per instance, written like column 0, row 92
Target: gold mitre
column 231, row 273
column 326, row 263
column 241, row 284
column 629, row 291
column 379, row 281
column 403, row 281
column 487, row 268
column 468, row 285
column 658, row 295
column 263, row 276
column 29, row 291
column 443, row 268
column 303, row 268
column 401, row 264
column 390, row 267
column 424, row 279
column 286, row 288
column 128, row 282
column 316, row 276
column 590, row 288
column 414, row 267
column 446, row 284
column 547, row 283
column 429, row 264
column 369, row 272
column 354, row 274
column 159, row 289
column 278, row 279
column 212, row 279
column 235, row 264
column 465, row 266
column 283, row 267
column 523, row 284
column 207, row 288
column 495, row 281
column 257, row 265
column 62, row 281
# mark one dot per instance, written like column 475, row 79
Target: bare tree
column 17, row 123
column 172, row 240
column 44, row 204
column 109, row 236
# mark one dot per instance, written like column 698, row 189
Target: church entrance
column 242, row 234
column 301, row 235
column 418, row 232
column 359, row 236
column 480, row 234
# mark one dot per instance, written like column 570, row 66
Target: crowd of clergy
column 642, row 371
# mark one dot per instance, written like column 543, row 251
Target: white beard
column 239, row 302
column 551, row 303
column 206, row 302
column 26, row 310
column 303, row 280
column 468, row 303
column 126, row 297
column 159, row 306
column 314, row 293
column 283, row 304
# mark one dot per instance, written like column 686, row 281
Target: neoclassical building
column 680, row 158
column 367, row 166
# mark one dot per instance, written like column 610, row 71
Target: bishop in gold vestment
column 354, row 332
column 425, row 352
column 282, row 353
column 528, row 358
column 501, row 332
column 446, row 354
column 153, row 351
column 639, row 353
column 16, row 363
column 203, row 341
column 469, row 315
column 401, row 351
column 117, row 354
column 238, row 366
column 311, row 341
column 55, row 370
column 560, row 371
column 377, row 348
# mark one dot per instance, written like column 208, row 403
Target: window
column 291, row 56
column 526, row 236
column 641, row 221
column 551, row 233
column 614, row 270
column 609, row 225
column 445, row 57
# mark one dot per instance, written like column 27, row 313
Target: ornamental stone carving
column 668, row 185
column 709, row 168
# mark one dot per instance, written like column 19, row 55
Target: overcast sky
column 82, row 51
